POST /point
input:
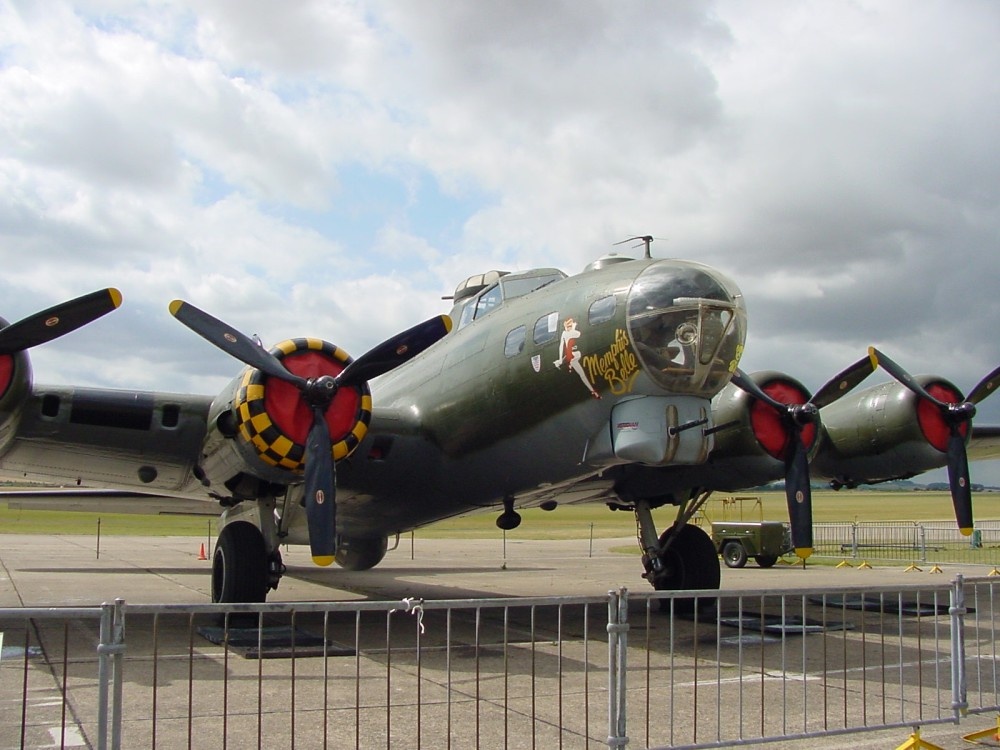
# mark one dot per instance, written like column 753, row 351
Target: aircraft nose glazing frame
column 688, row 325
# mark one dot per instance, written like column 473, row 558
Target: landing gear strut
column 682, row 558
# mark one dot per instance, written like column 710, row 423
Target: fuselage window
column 514, row 344
column 602, row 310
column 545, row 328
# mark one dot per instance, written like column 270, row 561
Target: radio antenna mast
column 647, row 240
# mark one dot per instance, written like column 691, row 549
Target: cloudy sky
column 334, row 168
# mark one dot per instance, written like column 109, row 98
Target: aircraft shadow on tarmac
column 131, row 570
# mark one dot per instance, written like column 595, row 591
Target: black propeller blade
column 318, row 393
column 955, row 416
column 796, row 418
column 60, row 319
column 232, row 342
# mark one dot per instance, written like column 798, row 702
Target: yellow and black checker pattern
column 270, row 443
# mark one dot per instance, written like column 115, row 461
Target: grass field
column 566, row 522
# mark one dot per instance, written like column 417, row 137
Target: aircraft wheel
column 734, row 554
column 766, row 561
column 691, row 562
column 361, row 554
column 239, row 565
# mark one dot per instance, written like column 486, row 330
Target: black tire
column 691, row 563
column 239, row 565
column 734, row 554
column 766, row 561
column 361, row 554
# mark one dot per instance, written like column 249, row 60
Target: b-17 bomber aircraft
column 619, row 385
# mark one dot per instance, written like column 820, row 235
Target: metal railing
column 912, row 542
column 680, row 670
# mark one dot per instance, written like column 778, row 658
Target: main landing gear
column 247, row 564
column 682, row 558
column 240, row 564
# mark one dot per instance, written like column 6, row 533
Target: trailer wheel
column 734, row 554
column 766, row 561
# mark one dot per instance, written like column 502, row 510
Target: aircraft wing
column 985, row 443
column 108, row 439
column 88, row 500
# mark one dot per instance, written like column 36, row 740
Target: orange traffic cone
column 201, row 552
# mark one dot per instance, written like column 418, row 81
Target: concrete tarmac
column 39, row 571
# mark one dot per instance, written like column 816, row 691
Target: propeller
column 318, row 394
column 796, row 417
column 55, row 321
column 957, row 417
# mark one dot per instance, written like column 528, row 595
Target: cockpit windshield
column 518, row 284
column 688, row 325
column 505, row 287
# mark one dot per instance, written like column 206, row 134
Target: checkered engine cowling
column 274, row 420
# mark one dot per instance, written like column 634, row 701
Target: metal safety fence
column 934, row 542
column 678, row 670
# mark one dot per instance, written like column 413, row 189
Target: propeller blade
column 395, row 351
column 844, row 382
column 60, row 319
column 958, row 479
column 903, row 376
column 798, row 494
column 320, row 491
column 232, row 342
column 956, row 416
column 742, row 381
column 986, row 387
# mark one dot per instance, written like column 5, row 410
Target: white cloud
column 295, row 167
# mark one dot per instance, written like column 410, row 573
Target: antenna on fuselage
column 647, row 240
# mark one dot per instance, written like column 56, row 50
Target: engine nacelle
column 258, row 425
column 884, row 432
column 753, row 443
column 15, row 387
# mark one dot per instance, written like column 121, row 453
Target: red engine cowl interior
column 930, row 419
column 6, row 373
column 15, row 387
column 770, row 429
column 274, row 418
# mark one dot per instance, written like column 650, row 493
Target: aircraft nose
column 688, row 324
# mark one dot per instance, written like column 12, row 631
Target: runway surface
column 40, row 571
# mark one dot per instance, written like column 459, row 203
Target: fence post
column 617, row 667
column 117, row 673
column 109, row 674
column 103, row 674
column 957, row 611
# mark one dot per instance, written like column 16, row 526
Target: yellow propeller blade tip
column 966, row 532
column 175, row 306
column 116, row 297
column 446, row 319
column 323, row 560
column 803, row 552
column 873, row 356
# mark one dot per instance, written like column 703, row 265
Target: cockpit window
column 488, row 302
column 517, row 285
column 688, row 326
